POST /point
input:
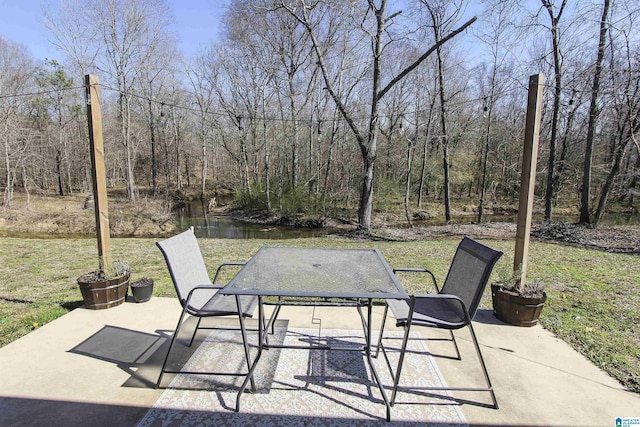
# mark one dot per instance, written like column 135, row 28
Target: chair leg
column 455, row 344
column 195, row 331
column 173, row 338
column 484, row 367
column 396, row 380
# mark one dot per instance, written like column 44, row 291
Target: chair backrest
column 469, row 272
column 185, row 263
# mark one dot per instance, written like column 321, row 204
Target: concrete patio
column 100, row 367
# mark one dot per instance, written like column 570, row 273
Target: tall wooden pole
column 528, row 177
column 98, row 173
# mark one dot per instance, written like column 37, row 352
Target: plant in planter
column 106, row 287
column 515, row 302
column 142, row 289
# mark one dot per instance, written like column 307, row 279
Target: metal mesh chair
column 453, row 307
column 198, row 296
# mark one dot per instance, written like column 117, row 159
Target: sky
column 197, row 23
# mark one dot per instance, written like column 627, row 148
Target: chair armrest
column 203, row 287
column 418, row 270
column 208, row 287
column 226, row 264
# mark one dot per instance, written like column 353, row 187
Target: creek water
column 220, row 226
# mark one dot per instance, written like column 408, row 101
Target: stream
column 220, row 226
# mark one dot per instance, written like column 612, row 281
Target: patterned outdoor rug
column 300, row 387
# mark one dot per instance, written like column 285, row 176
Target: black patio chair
column 199, row 296
column 453, row 307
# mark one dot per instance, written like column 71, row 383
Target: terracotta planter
column 516, row 309
column 99, row 293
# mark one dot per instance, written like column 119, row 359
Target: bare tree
column 366, row 138
column 16, row 71
column 200, row 77
column 130, row 31
column 117, row 37
column 443, row 15
column 55, row 82
column 593, row 113
column 625, row 127
column 497, row 35
column 154, row 77
column 555, row 15
column 290, row 49
column 72, row 32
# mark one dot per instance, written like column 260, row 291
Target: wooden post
column 528, row 177
column 98, row 173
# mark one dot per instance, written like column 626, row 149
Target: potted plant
column 106, row 287
column 517, row 303
column 142, row 289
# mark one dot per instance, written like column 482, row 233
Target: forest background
column 304, row 107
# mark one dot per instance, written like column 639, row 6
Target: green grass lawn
column 593, row 297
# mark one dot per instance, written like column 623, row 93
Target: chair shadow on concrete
column 486, row 316
column 139, row 354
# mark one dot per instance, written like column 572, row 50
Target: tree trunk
column 366, row 193
column 125, row 111
column 585, row 194
column 634, row 181
column 203, row 174
column 557, row 67
column 154, row 162
column 407, row 188
column 445, row 139
column 327, row 171
column 176, row 143
column 267, row 178
column 294, row 136
column 551, row 168
column 59, row 172
column 485, row 150
column 8, row 189
column 606, row 188
column 368, row 148
column 423, row 170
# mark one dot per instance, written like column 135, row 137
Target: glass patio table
column 316, row 276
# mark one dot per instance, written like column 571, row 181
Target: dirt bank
column 622, row 239
column 74, row 215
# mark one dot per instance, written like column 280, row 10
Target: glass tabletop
column 314, row 272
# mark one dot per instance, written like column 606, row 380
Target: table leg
column 243, row 331
column 261, row 330
column 369, row 359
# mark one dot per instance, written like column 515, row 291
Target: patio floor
column 100, row 367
